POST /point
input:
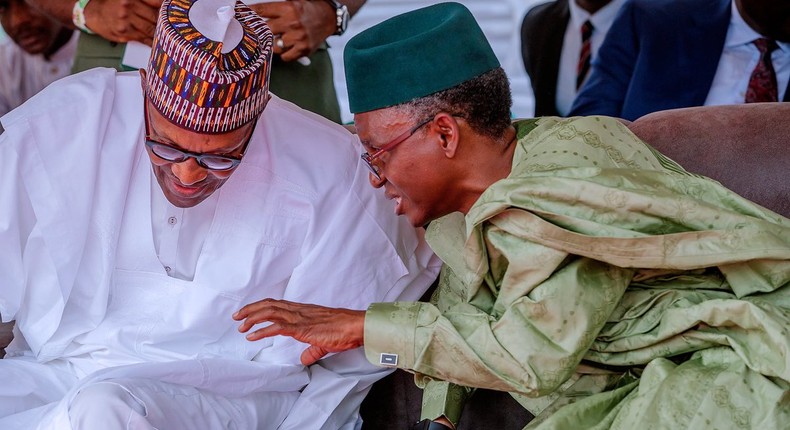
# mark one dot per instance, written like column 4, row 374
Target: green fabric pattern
column 606, row 288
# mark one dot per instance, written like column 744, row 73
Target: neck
column 592, row 6
column 63, row 38
column 491, row 161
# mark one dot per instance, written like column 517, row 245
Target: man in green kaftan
column 592, row 277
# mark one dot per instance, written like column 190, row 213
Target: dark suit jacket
column 658, row 55
column 542, row 31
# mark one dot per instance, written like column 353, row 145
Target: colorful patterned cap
column 414, row 55
column 210, row 62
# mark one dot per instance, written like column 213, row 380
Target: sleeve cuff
column 389, row 333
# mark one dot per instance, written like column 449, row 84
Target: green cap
column 414, row 55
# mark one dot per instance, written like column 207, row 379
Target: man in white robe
column 135, row 222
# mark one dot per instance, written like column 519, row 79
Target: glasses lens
column 168, row 153
column 371, row 167
column 217, row 163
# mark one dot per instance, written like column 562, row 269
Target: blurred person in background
column 37, row 52
column 559, row 39
column 668, row 54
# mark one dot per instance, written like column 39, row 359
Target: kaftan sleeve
column 527, row 338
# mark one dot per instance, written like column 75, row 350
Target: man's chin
column 186, row 199
column 183, row 204
column 416, row 220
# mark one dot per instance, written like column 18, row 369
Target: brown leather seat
column 744, row 147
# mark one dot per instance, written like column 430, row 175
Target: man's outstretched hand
column 325, row 329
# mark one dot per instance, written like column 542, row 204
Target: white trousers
column 33, row 396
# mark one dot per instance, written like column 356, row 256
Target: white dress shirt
column 738, row 60
column 571, row 45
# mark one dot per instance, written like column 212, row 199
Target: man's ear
column 446, row 128
column 143, row 76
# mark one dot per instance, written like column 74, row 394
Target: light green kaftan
column 605, row 287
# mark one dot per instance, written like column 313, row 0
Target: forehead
column 381, row 125
column 171, row 133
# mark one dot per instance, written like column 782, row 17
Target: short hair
column 484, row 101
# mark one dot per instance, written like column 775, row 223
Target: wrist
column 340, row 16
column 78, row 16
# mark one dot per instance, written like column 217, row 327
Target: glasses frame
column 186, row 155
column 370, row 158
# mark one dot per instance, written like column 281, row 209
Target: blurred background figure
column 36, row 52
column 558, row 41
column 665, row 54
column 302, row 69
column 106, row 27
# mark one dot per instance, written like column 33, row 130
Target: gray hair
column 484, row 101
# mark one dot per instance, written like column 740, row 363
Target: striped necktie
column 585, row 55
column 762, row 84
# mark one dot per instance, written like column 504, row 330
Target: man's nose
column 189, row 172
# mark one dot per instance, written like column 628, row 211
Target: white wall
column 499, row 19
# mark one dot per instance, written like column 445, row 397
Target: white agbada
column 79, row 272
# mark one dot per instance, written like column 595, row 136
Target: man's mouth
column 398, row 206
column 29, row 40
column 186, row 190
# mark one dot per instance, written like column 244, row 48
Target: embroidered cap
column 210, row 63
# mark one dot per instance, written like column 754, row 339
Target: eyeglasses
column 172, row 154
column 369, row 159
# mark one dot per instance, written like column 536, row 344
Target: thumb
column 313, row 354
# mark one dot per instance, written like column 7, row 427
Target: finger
column 268, row 312
column 278, row 25
column 253, row 307
column 293, row 54
column 278, row 45
column 312, row 354
column 152, row 3
column 142, row 28
column 271, row 10
column 268, row 331
column 146, row 13
column 255, row 318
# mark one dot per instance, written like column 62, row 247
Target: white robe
column 297, row 220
